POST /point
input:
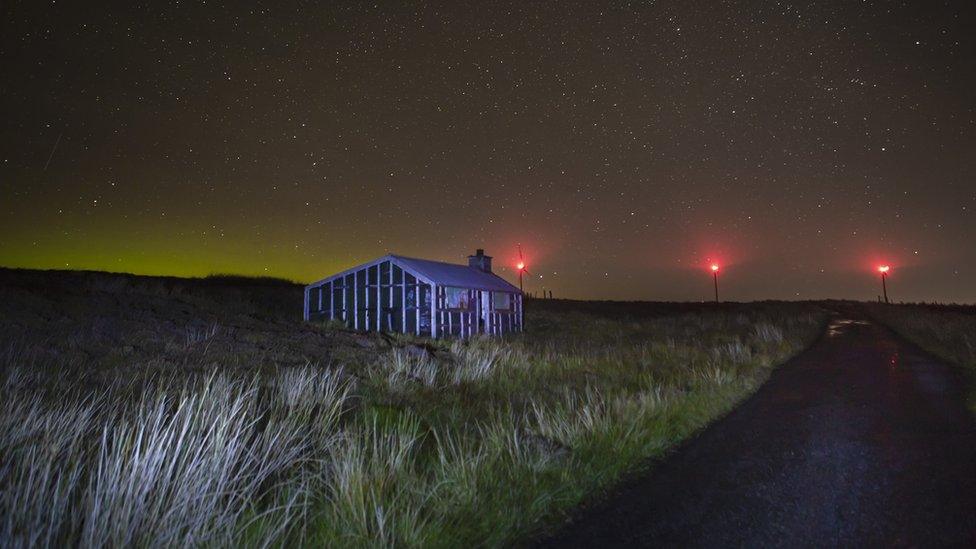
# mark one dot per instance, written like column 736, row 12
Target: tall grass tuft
column 373, row 487
column 477, row 359
column 188, row 465
column 404, row 368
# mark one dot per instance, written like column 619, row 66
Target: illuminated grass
column 180, row 466
column 394, row 441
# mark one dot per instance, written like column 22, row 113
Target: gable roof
column 451, row 274
column 438, row 272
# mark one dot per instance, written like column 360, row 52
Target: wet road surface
column 861, row 440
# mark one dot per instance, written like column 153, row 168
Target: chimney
column 480, row 261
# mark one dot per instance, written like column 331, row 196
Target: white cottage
column 418, row 296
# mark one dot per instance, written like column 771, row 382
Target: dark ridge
column 46, row 277
column 243, row 280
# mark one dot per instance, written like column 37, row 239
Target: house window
column 457, row 298
column 502, row 300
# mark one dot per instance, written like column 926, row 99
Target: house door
column 484, row 323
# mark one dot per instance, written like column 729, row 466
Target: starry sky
column 624, row 145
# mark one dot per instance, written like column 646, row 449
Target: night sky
column 625, row 146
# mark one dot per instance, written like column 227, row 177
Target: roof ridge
column 398, row 256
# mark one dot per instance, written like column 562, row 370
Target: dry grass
column 231, row 424
column 179, row 466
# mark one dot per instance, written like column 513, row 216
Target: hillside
column 112, row 322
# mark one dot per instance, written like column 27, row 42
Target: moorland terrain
column 152, row 410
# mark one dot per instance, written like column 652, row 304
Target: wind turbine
column 521, row 267
column 883, row 269
column 715, row 277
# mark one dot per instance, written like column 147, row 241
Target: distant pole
column 521, row 269
column 884, row 282
column 715, row 278
column 884, row 286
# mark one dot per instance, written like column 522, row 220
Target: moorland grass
column 253, row 428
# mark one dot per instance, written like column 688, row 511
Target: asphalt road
column 863, row 440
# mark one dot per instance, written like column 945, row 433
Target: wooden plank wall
column 383, row 297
